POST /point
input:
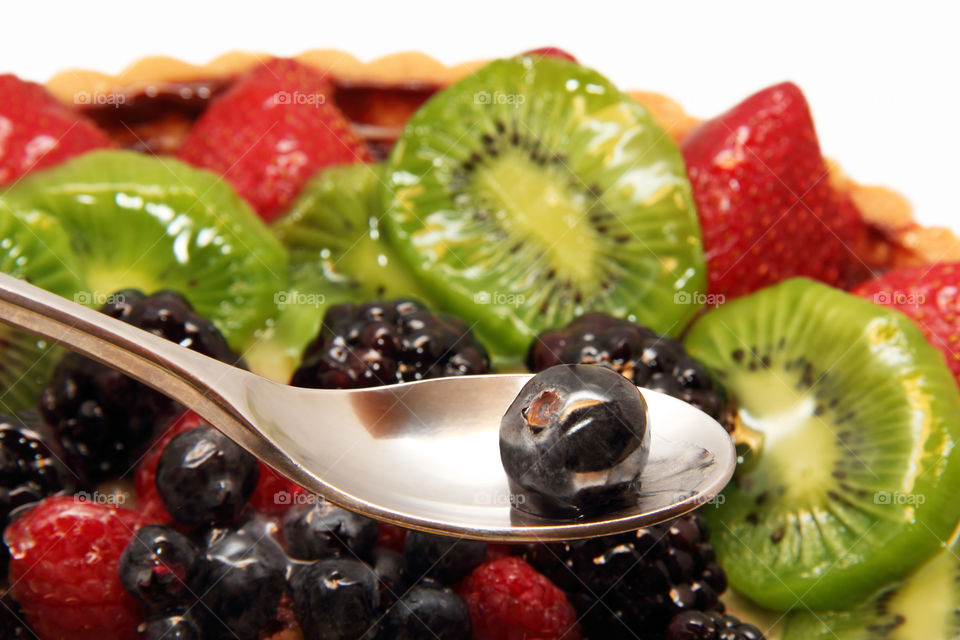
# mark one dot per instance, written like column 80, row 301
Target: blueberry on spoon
column 575, row 441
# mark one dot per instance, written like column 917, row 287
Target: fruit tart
column 335, row 224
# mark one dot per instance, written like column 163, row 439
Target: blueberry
column 177, row 625
column 160, row 567
column 427, row 611
column 575, row 440
column 203, row 476
column 322, row 530
column 441, row 558
column 244, row 581
column 335, row 599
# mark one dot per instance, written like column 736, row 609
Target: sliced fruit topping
column 930, row 295
column 334, row 228
column 104, row 419
column 270, row 132
column 644, row 357
column 922, row 606
column 387, row 342
column 574, row 441
column 550, row 52
column 534, row 190
column 853, row 417
column 63, row 569
column 38, row 131
column 36, row 248
column 148, row 223
column 766, row 207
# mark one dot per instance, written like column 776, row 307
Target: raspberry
column 63, row 569
column 274, row 493
column 639, row 354
column 509, row 600
column 105, row 419
column 379, row 343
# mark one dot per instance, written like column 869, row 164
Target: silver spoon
column 422, row 454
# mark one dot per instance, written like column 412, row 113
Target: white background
column 882, row 79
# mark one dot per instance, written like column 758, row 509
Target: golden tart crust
column 895, row 238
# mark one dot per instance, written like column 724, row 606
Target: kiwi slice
column 337, row 254
column 851, row 481
column 532, row 191
column 925, row 605
column 333, row 227
column 138, row 221
column 34, row 247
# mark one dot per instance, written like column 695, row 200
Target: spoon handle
column 203, row 384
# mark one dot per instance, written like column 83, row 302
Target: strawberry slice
column 766, row 207
column 930, row 295
column 270, row 132
column 37, row 131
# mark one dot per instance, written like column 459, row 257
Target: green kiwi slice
column 138, row 221
column 337, row 254
column 333, row 228
column 34, row 247
column 533, row 190
column 850, row 483
column 925, row 605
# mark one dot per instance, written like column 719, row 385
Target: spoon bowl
column 423, row 455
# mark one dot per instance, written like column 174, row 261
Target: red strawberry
column 63, row 569
column 270, row 132
column 550, row 52
column 931, row 296
column 509, row 599
column 766, row 207
column 36, row 130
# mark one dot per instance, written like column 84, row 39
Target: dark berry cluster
column 641, row 355
column 638, row 581
column 710, row 625
column 105, row 419
column 387, row 342
column 30, row 467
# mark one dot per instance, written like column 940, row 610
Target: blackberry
column 644, row 357
column 710, row 625
column 380, row 343
column 635, row 582
column 103, row 418
column 29, row 469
